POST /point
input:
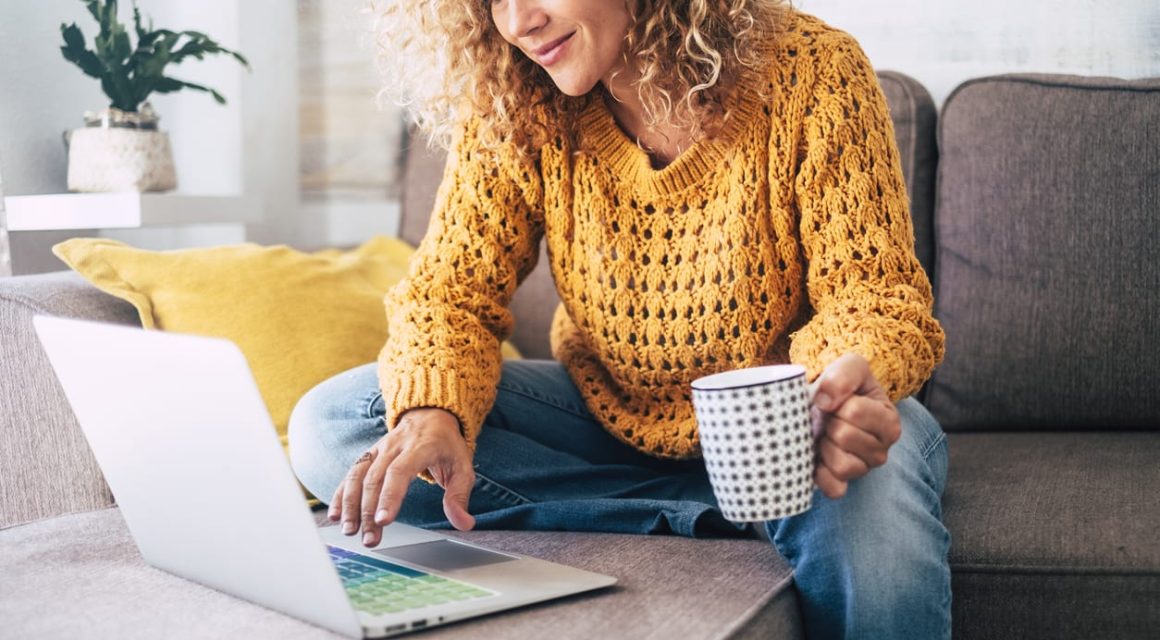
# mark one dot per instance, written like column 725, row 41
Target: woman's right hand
column 425, row 439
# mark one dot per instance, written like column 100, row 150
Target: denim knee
column 924, row 440
column 874, row 562
column 332, row 425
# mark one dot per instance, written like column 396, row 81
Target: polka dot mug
column 757, row 440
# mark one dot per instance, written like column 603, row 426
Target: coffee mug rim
column 798, row 372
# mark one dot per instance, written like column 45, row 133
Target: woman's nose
column 525, row 17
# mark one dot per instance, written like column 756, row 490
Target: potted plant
column 120, row 148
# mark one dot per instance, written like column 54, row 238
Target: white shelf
column 126, row 210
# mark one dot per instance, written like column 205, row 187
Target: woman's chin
column 573, row 87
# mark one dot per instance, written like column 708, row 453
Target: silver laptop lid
column 166, row 416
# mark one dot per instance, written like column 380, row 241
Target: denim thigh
column 542, row 461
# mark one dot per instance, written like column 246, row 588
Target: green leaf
column 181, row 84
column 200, row 45
column 73, row 38
column 130, row 73
column 75, row 52
column 192, row 48
column 168, row 85
column 146, row 87
column 153, row 65
column 120, row 99
column 121, row 46
column 106, row 15
column 142, row 30
column 86, row 60
column 145, row 42
column 109, row 20
column 94, row 7
column 118, row 85
column 113, row 44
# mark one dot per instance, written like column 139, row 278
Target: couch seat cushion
column 80, row 575
column 1055, row 535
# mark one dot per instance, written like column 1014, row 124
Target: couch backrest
column 911, row 109
column 46, row 466
column 1047, row 276
column 915, row 118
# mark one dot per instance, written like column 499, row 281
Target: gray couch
column 1036, row 206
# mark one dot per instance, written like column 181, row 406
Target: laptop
column 191, row 455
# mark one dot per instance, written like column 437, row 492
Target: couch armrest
column 46, row 467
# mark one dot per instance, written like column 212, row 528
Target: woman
column 718, row 187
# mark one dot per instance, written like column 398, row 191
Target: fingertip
column 458, row 516
column 837, row 488
column 817, row 423
column 823, row 401
column 831, row 487
column 465, row 522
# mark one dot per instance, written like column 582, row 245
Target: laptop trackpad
column 444, row 555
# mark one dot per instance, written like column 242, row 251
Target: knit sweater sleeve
column 867, row 290
column 448, row 317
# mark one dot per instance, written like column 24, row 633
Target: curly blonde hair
column 446, row 61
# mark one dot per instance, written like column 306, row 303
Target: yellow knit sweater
column 786, row 238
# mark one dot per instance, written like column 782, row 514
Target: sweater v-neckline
column 634, row 165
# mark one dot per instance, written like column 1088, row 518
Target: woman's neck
column 663, row 142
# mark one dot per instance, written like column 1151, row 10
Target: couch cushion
column 914, row 116
column 1047, row 268
column 1054, row 534
column 46, row 467
column 669, row 588
column 299, row 318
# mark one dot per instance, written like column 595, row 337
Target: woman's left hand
column 858, row 424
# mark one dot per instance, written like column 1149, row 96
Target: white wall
column 206, row 136
column 350, row 148
column 943, row 42
column 253, row 144
column 248, row 146
column 269, row 38
column 36, row 105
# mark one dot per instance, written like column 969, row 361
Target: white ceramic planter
column 101, row 160
column 120, row 151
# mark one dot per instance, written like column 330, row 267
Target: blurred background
column 304, row 139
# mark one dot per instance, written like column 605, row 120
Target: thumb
column 456, row 493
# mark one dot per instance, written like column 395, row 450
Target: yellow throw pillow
column 299, row 318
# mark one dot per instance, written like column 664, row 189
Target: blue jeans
column 872, row 564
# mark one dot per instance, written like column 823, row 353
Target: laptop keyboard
column 379, row 587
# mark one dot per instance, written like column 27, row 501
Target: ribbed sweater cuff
column 435, row 389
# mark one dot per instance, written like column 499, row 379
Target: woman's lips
column 550, row 54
